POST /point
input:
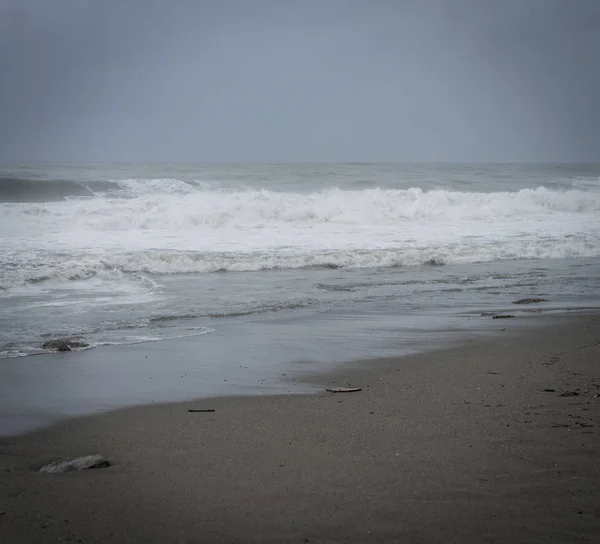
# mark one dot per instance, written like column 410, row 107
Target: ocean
column 119, row 254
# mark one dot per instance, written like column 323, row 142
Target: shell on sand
column 78, row 463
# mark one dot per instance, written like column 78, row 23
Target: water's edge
column 45, row 389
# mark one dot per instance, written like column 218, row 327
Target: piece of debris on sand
column 343, row 389
column 77, row 463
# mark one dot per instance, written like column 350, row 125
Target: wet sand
column 493, row 441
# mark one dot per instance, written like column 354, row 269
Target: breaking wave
column 34, row 190
column 23, row 190
column 187, row 208
column 175, row 227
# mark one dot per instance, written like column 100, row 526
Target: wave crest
column 257, row 209
column 260, row 209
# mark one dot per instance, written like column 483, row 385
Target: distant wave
column 35, row 190
column 38, row 190
column 15, row 189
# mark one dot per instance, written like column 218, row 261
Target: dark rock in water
column 502, row 316
column 63, row 344
column 57, row 345
column 529, row 300
column 78, row 463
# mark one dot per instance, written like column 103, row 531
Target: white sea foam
column 181, row 262
column 177, row 209
column 186, row 229
column 586, row 184
column 139, row 187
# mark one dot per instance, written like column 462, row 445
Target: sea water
column 117, row 254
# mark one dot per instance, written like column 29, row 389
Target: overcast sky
column 300, row 80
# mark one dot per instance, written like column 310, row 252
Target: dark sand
column 462, row 445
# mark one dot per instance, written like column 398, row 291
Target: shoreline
column 470, row 443
column 265, row 357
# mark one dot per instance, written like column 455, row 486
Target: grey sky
column 277, row 80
